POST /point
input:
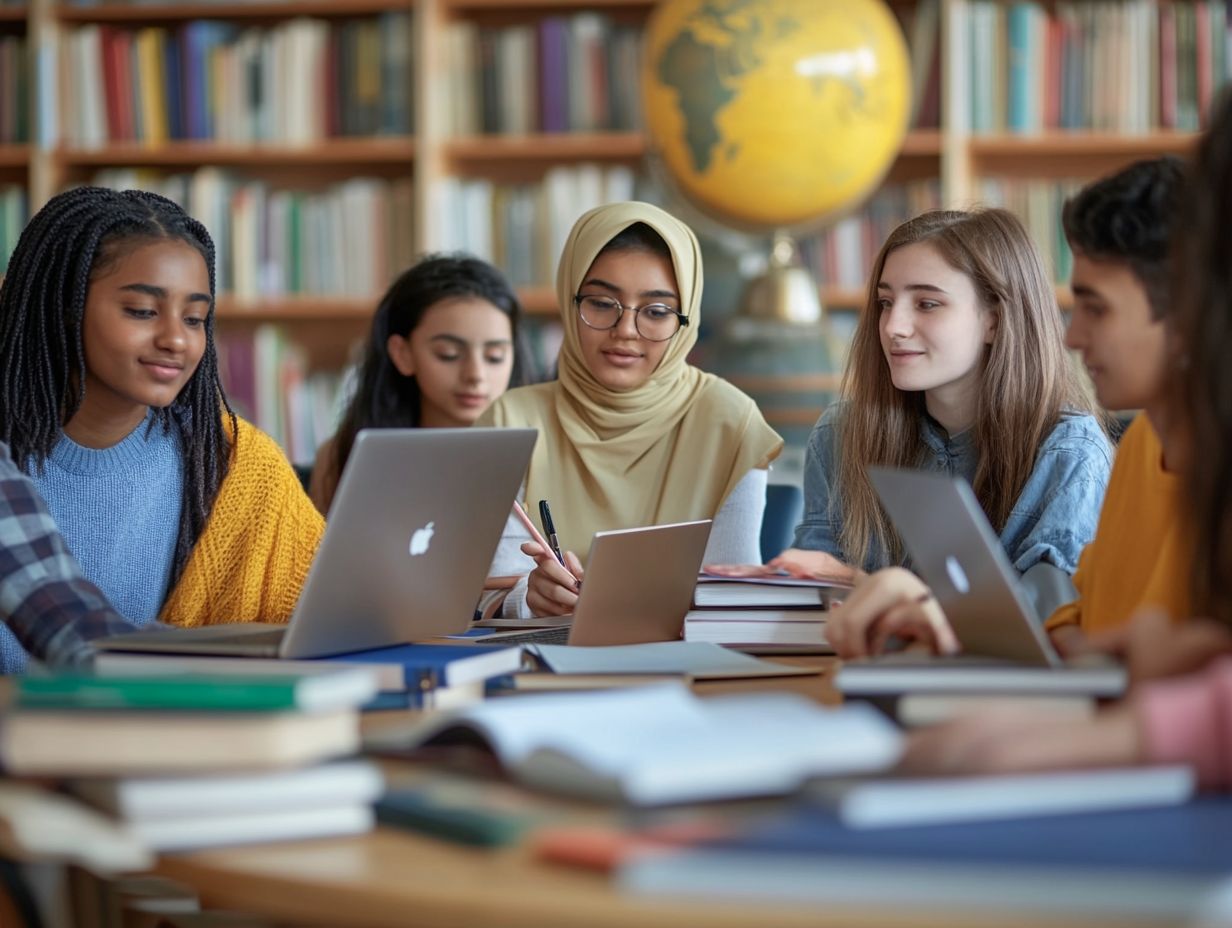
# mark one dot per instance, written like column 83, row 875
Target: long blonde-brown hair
column 1026, row 380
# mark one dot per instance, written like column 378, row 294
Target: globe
column 775, row 114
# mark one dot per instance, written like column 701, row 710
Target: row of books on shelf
column 13, row 212
column 348, row 239
column 842, row 256
column 14, row 90
column 299, row 82
column 921, row 25
column 563, row 74
column 1038, row 203
column 1130, row 67
column 522, row 228
column 270, row 382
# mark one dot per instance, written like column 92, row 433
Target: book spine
column 206, row 694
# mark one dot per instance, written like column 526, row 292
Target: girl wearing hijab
column 630, row 434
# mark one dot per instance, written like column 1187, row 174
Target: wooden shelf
column 1071, row 144
column 538, row 301
column 170, row 12
column 606, row 146
column 547, row 147
column 297, row 309
column 521, row 6
column 843, row 299
column 921, row 143
column 14, row 156
column 175, row 154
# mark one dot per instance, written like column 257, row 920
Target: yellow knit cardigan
column 253, row 556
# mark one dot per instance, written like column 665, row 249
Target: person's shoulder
column 1140, row 435
column 521, row 405
column 1078, row 432
column 832, row 415
column 253, row 444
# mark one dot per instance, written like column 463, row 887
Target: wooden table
column 392, row 878
column 397, row 878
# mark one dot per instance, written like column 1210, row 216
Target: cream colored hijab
column 670, row 450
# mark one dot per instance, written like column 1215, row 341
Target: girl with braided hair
column 110, row 399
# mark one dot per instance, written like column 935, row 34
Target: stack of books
column 762, row 614
column 407, row 676
column 201, row 760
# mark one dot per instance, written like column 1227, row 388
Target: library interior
column 746, row 774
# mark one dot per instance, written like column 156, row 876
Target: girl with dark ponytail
column 110, row 399
column 440, row 351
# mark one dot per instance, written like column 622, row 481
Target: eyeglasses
column 656, row 322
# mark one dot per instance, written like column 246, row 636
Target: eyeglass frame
column 636, row 310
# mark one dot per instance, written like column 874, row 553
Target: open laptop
column 410, row 536
column 956, row 551
column 638, row 588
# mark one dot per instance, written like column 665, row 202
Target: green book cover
column 198, row 692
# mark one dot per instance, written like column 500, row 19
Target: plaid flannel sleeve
column 46, row 602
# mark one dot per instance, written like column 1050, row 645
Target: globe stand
column 784, row 292
column 776, row 348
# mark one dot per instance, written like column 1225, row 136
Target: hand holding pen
column 552, row 586
column 545, row 517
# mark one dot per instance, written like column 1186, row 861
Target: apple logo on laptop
column 421, row 538
column 957, row 575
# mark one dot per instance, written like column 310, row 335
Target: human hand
column 813, row 565
column 1005, row 741
column 550, row 588
column 889, row 602
column 1153, row 646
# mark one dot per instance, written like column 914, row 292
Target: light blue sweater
column 118, row 509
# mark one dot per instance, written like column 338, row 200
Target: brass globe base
column 784, row 292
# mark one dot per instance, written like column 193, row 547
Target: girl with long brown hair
column 1186, row 719
column 958, row 365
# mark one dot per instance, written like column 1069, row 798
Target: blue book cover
column 174, row 88
column 1191, row 838
column 1173, row 863
column 193, row 39
column 554, row 74
column 425, row 666
column 1018, row 25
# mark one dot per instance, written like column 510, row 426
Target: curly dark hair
column 67, row 243
column 1131, row 216
column 384, row 397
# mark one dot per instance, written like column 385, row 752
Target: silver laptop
column 955, row 550
column 638, row 588
column 411, row 532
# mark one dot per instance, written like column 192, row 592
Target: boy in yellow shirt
column 1119, row 229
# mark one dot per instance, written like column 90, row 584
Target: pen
column 545, row 516
column 535, row 534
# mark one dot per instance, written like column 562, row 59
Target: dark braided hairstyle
column 384, row 397
column 77, row 235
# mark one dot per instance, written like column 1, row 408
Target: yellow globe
column 775, row 113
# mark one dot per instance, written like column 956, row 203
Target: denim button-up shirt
column 1052, row 521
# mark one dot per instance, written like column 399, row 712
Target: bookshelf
column 991, row 138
